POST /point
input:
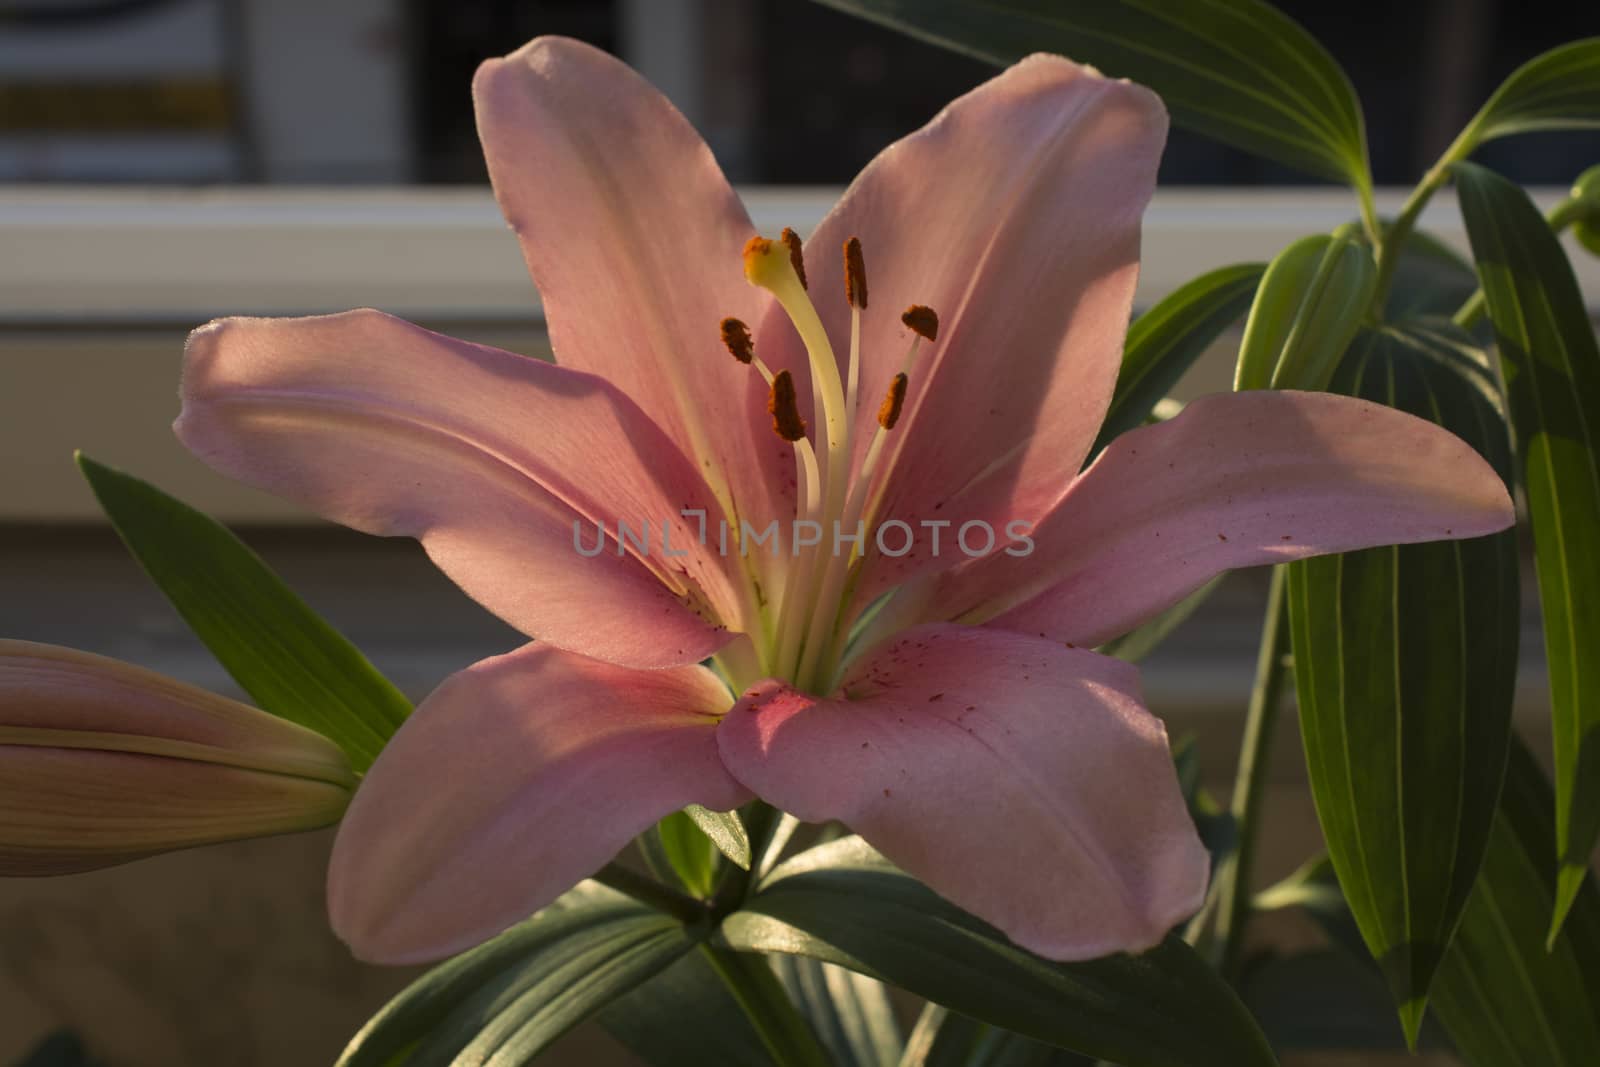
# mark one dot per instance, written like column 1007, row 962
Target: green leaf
column 1558, row 90
column 850, row 1012
column 1586, row 190
column 502, row 1002
column 290, row 661
column 1239, row 71
column 1405, row 661
column 725, row 830
column 787, row 1035
column 686, row 851
column 944, row 1039
column 843, row 903
column 1430, row 279
column 684, row 1017
column 1309, row 306
column 1323, row 1000
column 1165, row 341
column 1551, row 367
column 1505, row 1000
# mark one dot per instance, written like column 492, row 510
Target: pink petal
column 1020, row 779
column 102, row 762
column 635, row 241
column 488, row 458
column 1236, row 480
column 516, row 779
column 1015, row 215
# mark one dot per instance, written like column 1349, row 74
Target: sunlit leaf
column 725, row 831
column 506, row 1000
column 1506, row 1000
column 1405, row 666
column 282, row 653
column 1555, row 91
column 1239, row 71
column 1551, row 367
column 842, row 903
column 1307, row 309
column 943, row 1038
column 850, row 1012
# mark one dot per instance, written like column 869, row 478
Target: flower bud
column 102, row 762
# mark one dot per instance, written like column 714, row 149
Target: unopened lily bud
column 102, row 762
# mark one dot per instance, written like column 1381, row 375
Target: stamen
column 736, row 336
column 893, row 400
column 785, row 411
column 921, row 321
column 855, row 274
column 792, row 240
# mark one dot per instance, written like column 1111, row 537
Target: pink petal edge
column 1022, row 780
column 519, row 777
column 1236, row 480
column 391, row 429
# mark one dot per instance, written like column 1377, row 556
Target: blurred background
column 163, row 162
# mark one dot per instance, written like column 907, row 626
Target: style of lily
column 946, row 707
column 102, row 762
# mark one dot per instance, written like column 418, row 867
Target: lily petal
column 488, row 458
column 1014, row 214
column 634, row 239
column 519, row 777
column 1022, row 780
column 1235, row 480
column 102, row 762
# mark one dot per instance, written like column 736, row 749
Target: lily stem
column 652, row 893
column 787, row 1036
column 1251, row 777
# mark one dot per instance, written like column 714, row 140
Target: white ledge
column 120, row 256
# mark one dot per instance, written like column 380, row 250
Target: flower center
column 807, row 642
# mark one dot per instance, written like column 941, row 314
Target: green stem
column 1233, row 904
column 653, row 893
column 1571, row 210
column 1395, row 238
column 787, row 1036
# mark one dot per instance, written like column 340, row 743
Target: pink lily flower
column 943, row 704
column 102, row 762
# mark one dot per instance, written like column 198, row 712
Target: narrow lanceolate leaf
column 290, row 661
column 843, row 903
column 1309, row 306
column 850, row 1012
column 1165, row 341
column 1430, row 279
column 1239, row 71
column 684, row 1017
column 943, row 1038
column 1506, row 1000
column 1551, row 367
column 1405, row 661
column 501, row 1003
column 726, row 832
column 1556, row 91
column 1325, row 999
column 677, row 844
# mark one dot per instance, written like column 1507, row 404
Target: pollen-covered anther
column 893, row 401
column 784, row 409
column 736, row 336
column 855, row 274
column 791, row 241
column 921, row 321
